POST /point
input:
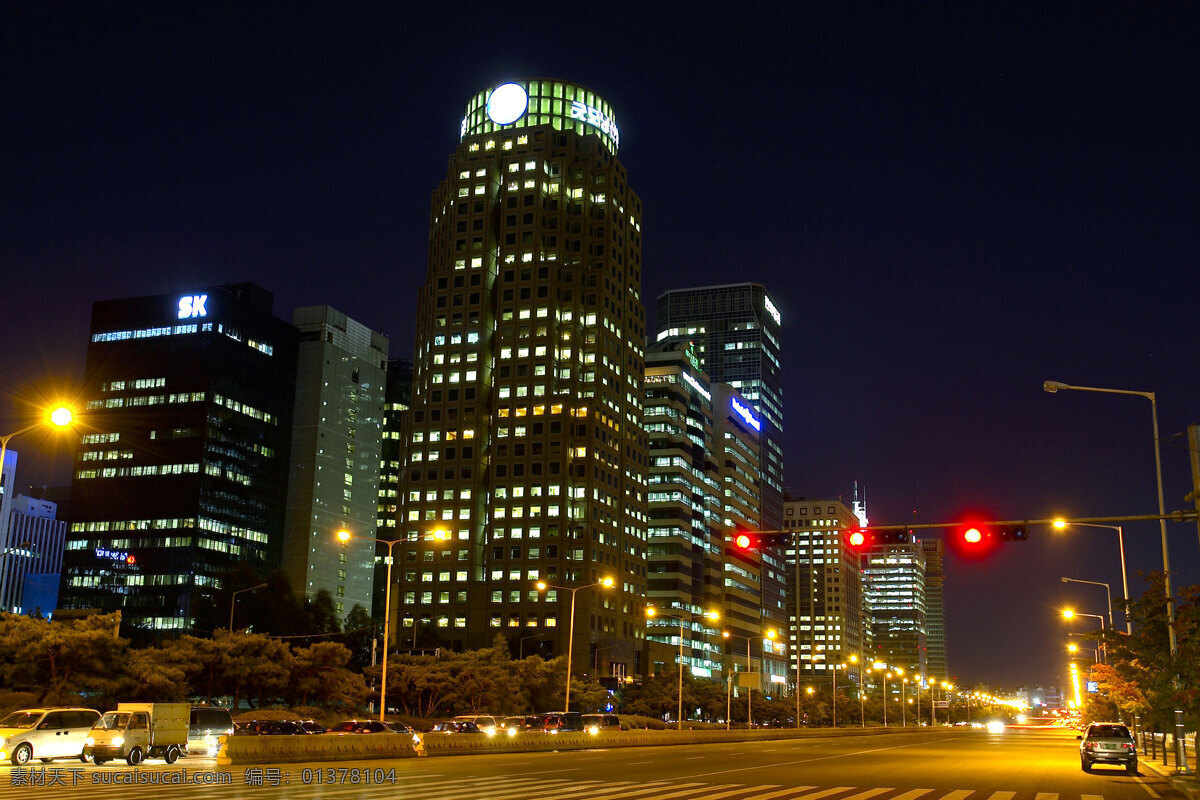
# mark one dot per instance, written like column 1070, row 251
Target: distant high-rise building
column 825, row 588
column 935, row 608
column 397, row 401
column 736, row 332
column 181, row 473
column 333, row 483
column 31, row 564
column 895, row 592
column 703, row 487
column 526, row 457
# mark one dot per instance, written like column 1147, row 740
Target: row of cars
column 552, row 722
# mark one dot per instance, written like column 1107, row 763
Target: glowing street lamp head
column 771, row 634
column 726, row 634
column 713, row 614
column 1060, row 523
column 651, row 611
column 1072, row 647
column 343, row 536
column 1068, row 613
column 441, row 534
column 607, row 582
column 61, row 416
column 542, row 586
column 853, row 659
column 809, row 689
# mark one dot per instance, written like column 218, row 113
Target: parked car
column 515, row 725
column 1107, row 743
column 370, row 726
column 46, row 734
column 601, row 723
column 205, row 729
column 283, row 727
column 451, row 726
column 312, row 726
column 486, row 722
column 561, row 721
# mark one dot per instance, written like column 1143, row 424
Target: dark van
column 205, row 729
column 601, row 723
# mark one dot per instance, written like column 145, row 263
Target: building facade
column 397, row 401
column 736, row 332
column 31, row 564
column 333, row 481
column 826, row 606
column 181, row 472
column 894, row 574
column 526, row 455
column 935, row 608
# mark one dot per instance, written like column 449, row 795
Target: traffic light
column 975, row 539
column 759, row 540
column 860, row 538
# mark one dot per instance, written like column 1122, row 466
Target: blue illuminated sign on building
column 193, row 306
column 745, row 414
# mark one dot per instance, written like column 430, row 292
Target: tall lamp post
column 932, row 703
column 1054, row 386
column 543, row 586
column 1070, row 614
column 60, row 417
column 862, row 707
column 345, row 536
column 769, row 635
column 1107, row 590
column 681, row 618
column 1125, row 582
column 233, row 602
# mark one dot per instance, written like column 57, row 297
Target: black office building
column 181, row 472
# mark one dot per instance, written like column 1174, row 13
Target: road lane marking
column 645, row 788
column 780, row 793
column 490, row 790
column 1146, row 786
column 912, row 795
column 867, row 794
column 809, row 760
column 962, row 794
column 823, row 793
column 1091, row 797
column 1046, row 796
column 690, row 788
column 737, row 788
column 1002, row 796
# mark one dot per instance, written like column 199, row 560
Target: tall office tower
column 182, row 472
column 894, row 575
column 825, row 605
column 687, row 539
column 935, row 608
column 333, row 482
column 527, row 455
column 32, row 562
column 8, row 479
column 397, row 401
column 754, row 579
column 736, row 329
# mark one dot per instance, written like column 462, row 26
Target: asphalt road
column 922, row 765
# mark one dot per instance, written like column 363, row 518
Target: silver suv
column 1107, row 743
column 46, row 733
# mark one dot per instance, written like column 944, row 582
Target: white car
column 46, row 734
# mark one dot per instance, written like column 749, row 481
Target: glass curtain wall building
column 526, row 455
column 181, row 472
column 895, row 593
column 935, row 608
column 736, row 330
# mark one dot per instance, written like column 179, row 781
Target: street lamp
column 543, row 586
column 750, row 689
column 932, row 703
column 680, row 618
column 345, row 536
column 1107, row 590
column 1071, row 614
column 862, row 708
column 879, row 665
column 233, row 602
column 1074, row 648
column 59, row 417
column 1062, row 523
column 1054, row 386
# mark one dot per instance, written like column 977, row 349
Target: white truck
column 137, row 731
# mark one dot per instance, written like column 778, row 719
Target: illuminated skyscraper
column 526, row 454
column 935, row 607
column 736, row 332
column 894, row 575
column 181, row 473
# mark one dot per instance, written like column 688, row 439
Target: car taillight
column 1090, row 745
column 1127, row 746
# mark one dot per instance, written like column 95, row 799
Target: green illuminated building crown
column 529, row 103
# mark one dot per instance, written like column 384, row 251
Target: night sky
column 949, row 204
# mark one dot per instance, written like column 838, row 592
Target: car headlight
column 90, row 741
column 593, row 729
column 512, row 731
column 117, row 742
column 995, row 727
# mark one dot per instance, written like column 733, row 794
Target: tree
column 320, row 676
column 251, row 665
column 360, row 633
column 63, row 659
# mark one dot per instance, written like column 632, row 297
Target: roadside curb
column 1187, row 785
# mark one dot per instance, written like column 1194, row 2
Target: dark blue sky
column 949, row 204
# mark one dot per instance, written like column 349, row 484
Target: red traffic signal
column 758, row 540
column 859, row 538
column 856, row 537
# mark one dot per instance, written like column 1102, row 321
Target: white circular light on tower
column 507, row 103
